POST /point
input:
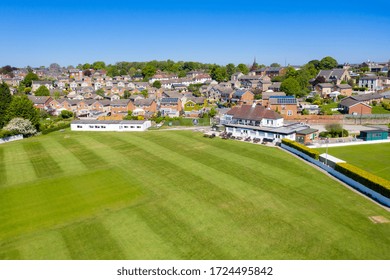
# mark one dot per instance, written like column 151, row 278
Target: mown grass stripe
column 91, row 240
column 3, row 174
column 18, row 168
column 89, row 158
column 44, row 165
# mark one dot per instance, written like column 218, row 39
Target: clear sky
column 69, row 32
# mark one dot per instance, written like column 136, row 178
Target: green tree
column 65, row 114
column 149, row 71
column 290, row 86
column 27, row 81
column 22, row 107
column 219, row 74
column 5, row 101
column 157, row 84
column 42, row 91
column 99, row 65
column 27, row 90
column 243, row 68
column 275, row 64
column 126, row 94
column 230, row 69
column 328, row 63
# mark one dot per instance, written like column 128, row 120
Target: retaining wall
column 11, row 138
column 356, row 185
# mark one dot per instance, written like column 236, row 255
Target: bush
column 66, row 114
column 21, row 126
column 335, row 130
column 7, row 133
column 58, row 127
column 378, row 184
column 302, row 148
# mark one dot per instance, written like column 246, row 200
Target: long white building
column 110, row 125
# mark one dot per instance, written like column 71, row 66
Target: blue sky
column 70, row 32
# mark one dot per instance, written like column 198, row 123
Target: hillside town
column 281, row 100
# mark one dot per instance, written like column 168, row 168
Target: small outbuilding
column 372, row 135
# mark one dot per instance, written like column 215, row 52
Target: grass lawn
column 175, row 195
column 328, row 107
column 374, row 158
column 378, row 109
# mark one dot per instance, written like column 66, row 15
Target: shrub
column 378, row 184
column 21, row 126
column 66, row 114
column 58, row 127
column 6, row 133
column 302, row 148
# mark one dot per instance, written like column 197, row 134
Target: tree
column 243, row 68
column 290, row 86
column 219, row 74
column 22, row 107
column 157, row 84
column 149, row 71
column 42, row 91
column 275, row 64
column 98, row 65
column 5, row 101
column 21, row 126
column 126, row 94
column 328, row 63
column 27, row 90
column 230, row 69
column 65, row 114
column 27, row 81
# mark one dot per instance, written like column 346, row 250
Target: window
column 132, row 126
column 97, row 126
column 91, row 126
column 289, row 113
column 79, row 126
column 138, row 126
column 126, row 126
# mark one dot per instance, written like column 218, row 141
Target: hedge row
column 59, row 127
column 302, row 148
column 7, row 133
column 378, row 184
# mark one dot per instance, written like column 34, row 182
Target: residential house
column 344, row 89
column 241, row 97
column 349, row 105
column 266, row 95
column 324, row 89
column 145, row 107
column 121, row 107
column 370, row 82
column 40, row 102
column 335, row 76
column 274, row 86
column 271, row 71
column 193, row 106
column 170, row 107
column 287, row 106
column 36, row 84
column 250, row 81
